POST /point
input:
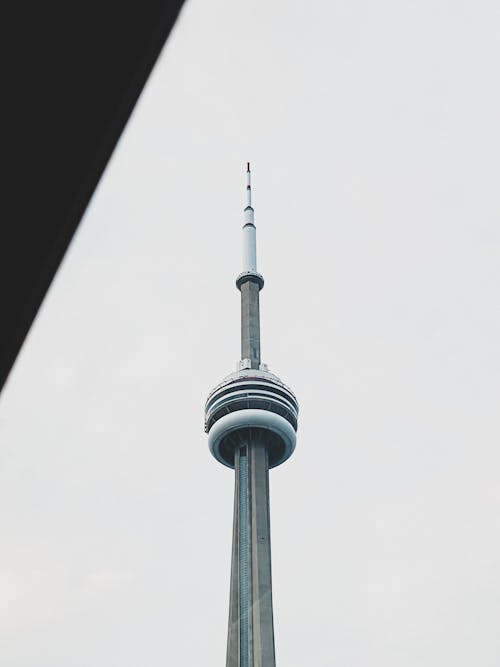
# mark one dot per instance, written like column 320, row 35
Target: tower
column 251, row 421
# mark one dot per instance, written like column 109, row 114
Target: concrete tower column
column 251, row 630
column 250, row 323
column 251, row 421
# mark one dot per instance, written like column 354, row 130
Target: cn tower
column 251, row 421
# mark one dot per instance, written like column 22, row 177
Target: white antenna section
column 249, row 232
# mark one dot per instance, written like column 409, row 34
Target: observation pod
column 251, row 404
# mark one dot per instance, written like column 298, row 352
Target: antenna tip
column 248, row 166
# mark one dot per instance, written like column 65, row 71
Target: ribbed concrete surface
column 258, row 614
column 250, row 323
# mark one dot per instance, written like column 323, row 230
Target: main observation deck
column 251, row 399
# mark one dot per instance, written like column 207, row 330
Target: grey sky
column 373, row 132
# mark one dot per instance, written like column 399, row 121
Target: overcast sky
column 374, row 136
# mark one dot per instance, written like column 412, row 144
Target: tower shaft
column 250, row 323
column 251, row 632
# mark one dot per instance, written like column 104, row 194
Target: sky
column 373, row 133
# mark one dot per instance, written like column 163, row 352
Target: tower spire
column 249, row 239
column 249, row 185
column 250, row 282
